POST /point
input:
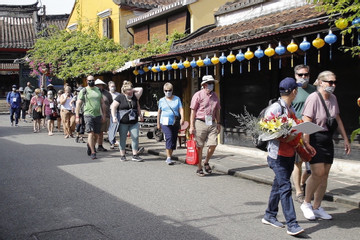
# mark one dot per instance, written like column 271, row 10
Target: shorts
column 50, row 117
column 205, row 133
column 324, row 146
column 105, row 125
column 92, row 124
column 37, row 115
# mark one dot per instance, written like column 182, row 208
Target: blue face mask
column 210, row 87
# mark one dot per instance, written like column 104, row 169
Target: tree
column 343, row 12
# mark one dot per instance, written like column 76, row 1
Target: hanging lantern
column 186, row 64
column 158, row 69
column 200, row 63
column 136, row 73
column 181, row 67
column 318, row 43
column 304, row 46
column 356, row 22
column 153, row 71
column 259, row 53
column 163, row 69
column 174, row 66
column 280, row 50
column 341, row 24
column 146, row 70
column 169, row 67
column 215, row 60
column 240, row 57
column 249, row 55
column 269, row 52
column 292, row 47
column 141, row 72
column 231, row 58
column 330, row 39
column 223, row 60
column 193, row 65
column 207, row 63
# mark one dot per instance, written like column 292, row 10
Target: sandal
column 200, row 172
column 207, row 168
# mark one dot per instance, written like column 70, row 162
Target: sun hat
column 208, row 78
column 99, row 82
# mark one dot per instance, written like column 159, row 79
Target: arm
column 77, row 110
column 181, row 111
column 8, row 99
column 139, row 111
column 103, row 110
column 217, row 117
column 62, row 99
column 138, row 92
column 113, row 107
column 192, row 122
column 342, row 131
column 158, row 119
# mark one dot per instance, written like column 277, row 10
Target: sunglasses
column 167, row 90
column 303, row 74
column 330, row 82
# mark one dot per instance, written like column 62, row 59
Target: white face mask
column 329, row 89
column 168, row 94
column 210, row 87
column 112, row 89
column 302, row 81
column 14, row 89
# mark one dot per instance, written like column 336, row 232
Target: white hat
column 208, row 78
column 99, row 82
column 50, row 85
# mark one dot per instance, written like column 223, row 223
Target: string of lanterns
column 280, row 50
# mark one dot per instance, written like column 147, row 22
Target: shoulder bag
column 176, row 118
column 331, row 122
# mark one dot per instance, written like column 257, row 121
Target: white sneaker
column 169, row 162
column 307, row 211
column 320, row 213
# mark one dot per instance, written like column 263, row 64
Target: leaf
column 354, row 133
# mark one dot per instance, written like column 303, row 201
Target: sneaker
column 88, row 151
column 307, row 211
column 112, row 146
column 25, row 121
column 123, row 158
column 101, row 149
column 136, row 158
column 12, row 124
column 93, row 156
column 169, row 162
column 294, row 230
column 273, row 222
column 300, row 198
column 77, row 139
column 16, row 125
column 81, row 140
column 320, row 213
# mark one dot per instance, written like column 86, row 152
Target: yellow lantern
column 318, row 43
column 174, row 65
column 163, row 67
column 269, row 52
column 146, row 69
column 136, row 72
column 200, row 63
column 186, row 64
column 154, row 69
column 292, row 47
column 231, row 58
column 215, row 60
column 249, row 55
column 341, row 24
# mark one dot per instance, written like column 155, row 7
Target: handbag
column 176, row 118
column 331, row 122
column 192, row 157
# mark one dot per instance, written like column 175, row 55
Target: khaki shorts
column 105, row 125
column 204, row 133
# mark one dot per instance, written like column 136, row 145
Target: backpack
column 262, row 145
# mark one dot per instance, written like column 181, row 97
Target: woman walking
column 169, row 119
column 50, row 112
column 320, row 108
column 35, row 107
column 67, row 112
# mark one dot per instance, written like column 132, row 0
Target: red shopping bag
column 192, row 157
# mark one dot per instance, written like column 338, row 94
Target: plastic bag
column 192, row 157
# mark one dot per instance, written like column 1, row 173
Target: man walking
column 13, row 100
column 94, row 113
column 113, row 128
column 205, row 121
column 28, row 93
column 302, row 75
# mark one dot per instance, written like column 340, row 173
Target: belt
column 200, row 119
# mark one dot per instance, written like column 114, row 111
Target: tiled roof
column 266, row 25
column 57, row 20
column 236, row 5
column 144, row 4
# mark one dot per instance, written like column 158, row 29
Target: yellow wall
column 87, row 10
column 202, row 12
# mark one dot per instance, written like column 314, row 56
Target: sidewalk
column 250, row 163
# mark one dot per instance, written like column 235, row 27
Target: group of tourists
column 95, row 110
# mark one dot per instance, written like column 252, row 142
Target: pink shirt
column 205, row 104
column 37, row 101
column 48, row 110
column 315, row 110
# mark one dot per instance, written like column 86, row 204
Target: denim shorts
column 92, row 124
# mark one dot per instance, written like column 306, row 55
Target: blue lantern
column 193, row 65
column 304, row 46
column 207, row 62
column 240, row 57
column 356, row 21
column 259, row 53
column 330, row 39
column 280, row 50
column 158, row 69
column 223, row 60
column 169, row 67
column 181, row 67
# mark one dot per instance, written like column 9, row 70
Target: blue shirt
column 14, row 99
column 166, row 112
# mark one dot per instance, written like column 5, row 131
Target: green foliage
column 70, row 55
column 347, row 9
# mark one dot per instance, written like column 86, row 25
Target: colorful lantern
column 231, row 58
column 136, row 73
column 259, row 53
column 146, row 70
column 358, row 101
column 158, row 69
column 215, row 60
column 186, row 65
column 169, row 67
column 240, row 57
column 280, row 50
column 207, row 63
column 141, row 72
column 249, row 55
column 292, row 47
column 223, row 60
column 318, row 43
column 304, row 46
column 193, row 65
column 181, row 67
column 200, row 63
column 330, row 39
column 269, row 52
column 356, row 22
column 341, row 24
column 174, row 66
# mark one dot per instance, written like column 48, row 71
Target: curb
column 220, row 168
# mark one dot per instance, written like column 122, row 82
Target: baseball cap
column 288, row 84
column 13, row 86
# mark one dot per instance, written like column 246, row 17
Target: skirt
column 324, row 146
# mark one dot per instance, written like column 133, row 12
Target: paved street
column 50, row 189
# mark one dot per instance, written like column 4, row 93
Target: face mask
column 91, row 83
column 168, row 94
column 330, row 89
column 303, row 81
column 14, row 89
column 50, row 96
column 112, row 89
column 210, row 87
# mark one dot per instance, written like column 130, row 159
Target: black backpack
column 262, row 145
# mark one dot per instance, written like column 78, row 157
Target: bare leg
column 296, row 174
column 210, row 152
column 200, row 149
column 92, row 141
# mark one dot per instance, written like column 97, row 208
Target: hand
column 192, row 130
column 158, row 126
column 218, row 127
column 103, row 118
column 347, row 147
column 310, row 149
column 77, row 120
column 181, row 122
column 141, row 118
column 115, row 120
